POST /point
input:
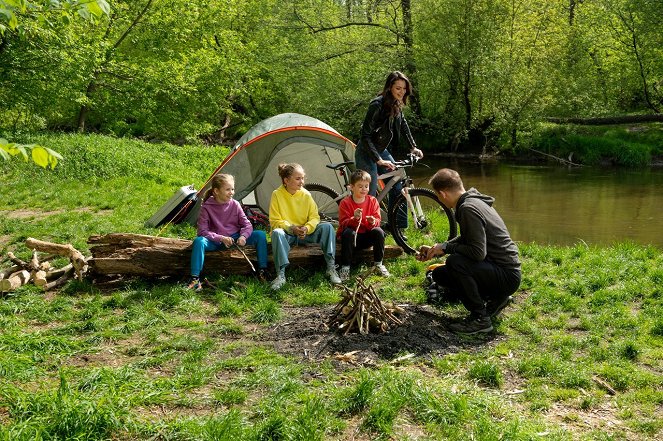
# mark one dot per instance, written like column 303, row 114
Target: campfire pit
column 361, row 310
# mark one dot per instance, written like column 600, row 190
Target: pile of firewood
column 362, row 311
column 38, row 270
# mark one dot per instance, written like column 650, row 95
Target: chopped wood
column 39, row 278
column 9, row 271
column 75, row 257
column 362, row 311
column 40, row 271
column 14, row 281
column 151, row 256
column 60, row 280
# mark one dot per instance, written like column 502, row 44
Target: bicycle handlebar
column 411, row 161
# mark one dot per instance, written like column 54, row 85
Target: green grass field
column 577, row 357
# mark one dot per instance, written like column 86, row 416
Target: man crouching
column 482, row 266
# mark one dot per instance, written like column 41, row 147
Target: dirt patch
column 303, row 332
column 31, row 214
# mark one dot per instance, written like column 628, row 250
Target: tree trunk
column 410, row 65
column 150, row 256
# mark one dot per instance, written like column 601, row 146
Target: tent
column 288, row 137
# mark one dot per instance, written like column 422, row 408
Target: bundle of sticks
column 39, row 270
column 362, row 311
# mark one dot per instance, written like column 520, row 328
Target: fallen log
column 150, row 256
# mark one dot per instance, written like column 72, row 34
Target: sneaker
column 262, row 275
column 382, row 270
column 472, row 325
column 344, row 274
column 278, row 282
column 333, row 275
column 494, row 308
column 195, row 285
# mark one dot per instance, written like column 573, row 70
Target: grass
column 151, row 360
column 633, row 146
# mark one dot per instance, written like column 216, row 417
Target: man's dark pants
column 476, row 283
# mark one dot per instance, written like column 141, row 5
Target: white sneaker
column 333, row 276
column 382, row 270
column 344, row 274
column 278, row 282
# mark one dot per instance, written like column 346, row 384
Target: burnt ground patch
column 303, row 332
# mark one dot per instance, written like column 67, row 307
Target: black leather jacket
column 380, row 131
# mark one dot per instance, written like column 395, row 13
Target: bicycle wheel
column 325, row 198
column 430, row 222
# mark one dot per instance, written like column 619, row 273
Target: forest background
column 487, row 73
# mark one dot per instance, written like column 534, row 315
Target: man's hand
column 227, row 241
column 371, row 220
column 422, row 254
column 427, row 252
column 241, row 241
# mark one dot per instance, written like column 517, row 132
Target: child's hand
column 300, row 232
column 227, row 241
column 358, row 212
column 241, row 241
column 370, row 220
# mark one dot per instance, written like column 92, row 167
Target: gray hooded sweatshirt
column 483, row 235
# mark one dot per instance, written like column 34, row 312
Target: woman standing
column 385, row 127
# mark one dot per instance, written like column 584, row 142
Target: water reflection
column 562, row 206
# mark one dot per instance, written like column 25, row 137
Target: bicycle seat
column 339, row 165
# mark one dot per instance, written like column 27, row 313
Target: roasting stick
column 253, row 268
column 357, row 232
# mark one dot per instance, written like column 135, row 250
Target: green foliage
column 597, row 145
column 486, row 373
column 42, row 156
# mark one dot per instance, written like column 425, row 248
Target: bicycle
column 428, row 220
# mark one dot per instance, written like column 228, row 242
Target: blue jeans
column 201, row 244
column 324, row 234
column 364, row 162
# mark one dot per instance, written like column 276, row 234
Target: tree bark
column 150, row 256
column 410, row 65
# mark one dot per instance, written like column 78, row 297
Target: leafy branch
column 40, row 155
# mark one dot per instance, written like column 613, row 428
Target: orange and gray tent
column 288, row 137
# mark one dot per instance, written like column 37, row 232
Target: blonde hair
column 359, row 175
column 287, row 170
column 218, row 181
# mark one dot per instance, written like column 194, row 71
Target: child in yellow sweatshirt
column 294, row 218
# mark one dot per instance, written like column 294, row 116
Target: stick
column 59, row 281
column 253, row 268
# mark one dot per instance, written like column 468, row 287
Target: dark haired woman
column 385, row 127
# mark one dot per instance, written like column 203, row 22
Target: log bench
column 151, row 256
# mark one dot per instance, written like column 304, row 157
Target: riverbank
column 577, row 356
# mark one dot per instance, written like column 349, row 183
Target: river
column 554, row 204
